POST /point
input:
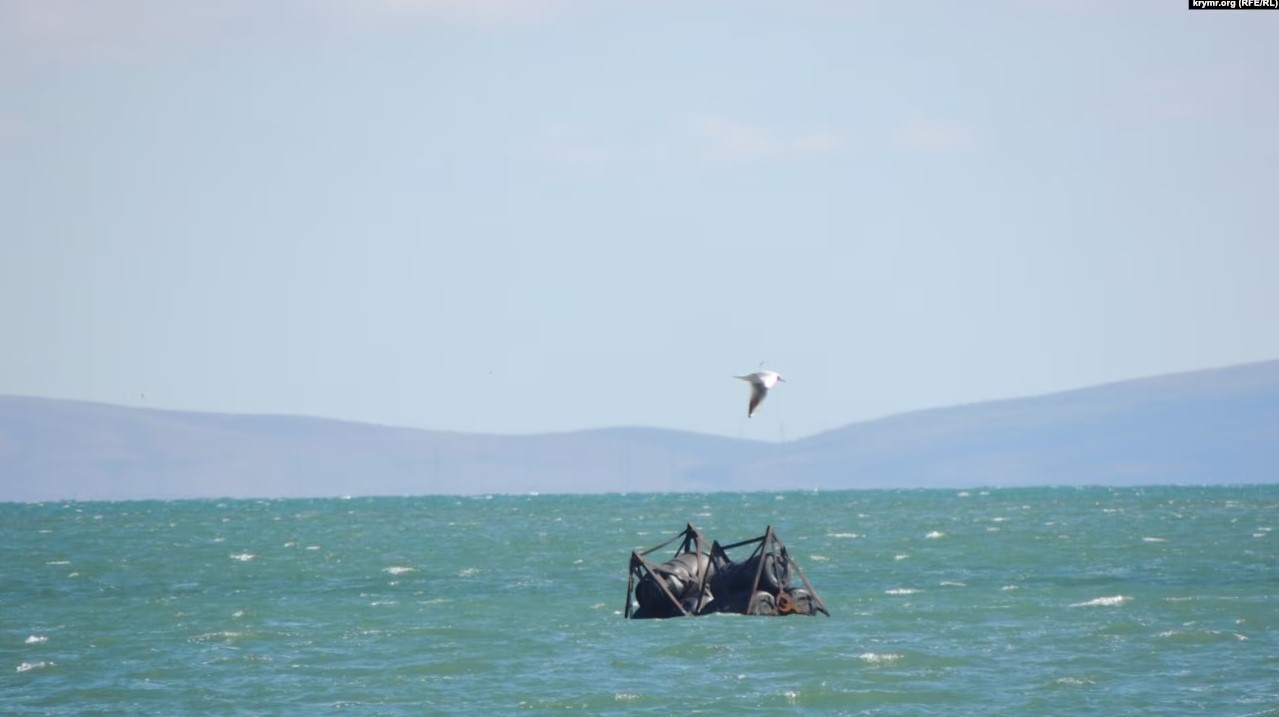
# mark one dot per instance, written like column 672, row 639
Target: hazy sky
column 531, row 215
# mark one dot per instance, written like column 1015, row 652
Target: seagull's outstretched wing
column 758, row 392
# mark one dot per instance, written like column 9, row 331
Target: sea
column 1027, row 601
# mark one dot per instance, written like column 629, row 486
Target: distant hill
column 1214, row 426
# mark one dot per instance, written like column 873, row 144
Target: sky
column 525, row 216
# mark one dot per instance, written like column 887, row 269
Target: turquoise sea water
column 1152, row 601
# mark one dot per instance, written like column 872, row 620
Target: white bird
column 760, row 382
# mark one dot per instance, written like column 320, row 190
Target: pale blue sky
column 503, row 216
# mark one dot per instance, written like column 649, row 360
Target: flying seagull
column 760, row 382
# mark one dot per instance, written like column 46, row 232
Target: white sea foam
column 1103, row 601
column 1154, row 540
column 818, row 558
column 468, row 572
column 397, row 570
column 901, row 556
column 877, row 658
column 35, row 639
column 243, row 557
column 1010, row 588
column 901, row 591
column 842, row 535
column 933, row 535
column 220, row 636
column 28, row 666
column 953, row 584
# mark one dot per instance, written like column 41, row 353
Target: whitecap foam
column 1154, row 540
column 900, row 556
column 28, row 666
column 901, row 591
column 877, row 658
column 397, row 570
column 933, row 535
column 818, row 558
column 35, row 639
column 468, row 572
column 220, row 636
column 842, row 535
column 243, row 557
column 1103, row 601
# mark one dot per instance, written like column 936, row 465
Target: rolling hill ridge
column 1211, row 426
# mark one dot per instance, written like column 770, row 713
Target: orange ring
column 785, row 604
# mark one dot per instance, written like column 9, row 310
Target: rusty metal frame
column 641, row 565
column 771, row 544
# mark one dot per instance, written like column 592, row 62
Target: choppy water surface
column 1010, row 602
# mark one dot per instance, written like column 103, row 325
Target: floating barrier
column 700, row 580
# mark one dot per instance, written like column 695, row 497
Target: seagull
column 760, row 382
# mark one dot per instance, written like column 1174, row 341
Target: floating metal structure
column 699, row 581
